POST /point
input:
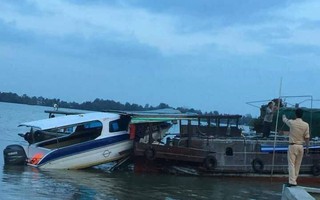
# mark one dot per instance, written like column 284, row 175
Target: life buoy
column 315, row 169
column 150, row 153
column 210, row 162
column 257, row 165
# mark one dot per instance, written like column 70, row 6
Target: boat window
column 77, row 128
column 74, row 134
column 114, row 126
column 119, row 124
column 229, row 151
column 94, row 124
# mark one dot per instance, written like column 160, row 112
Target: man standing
column 267, row 121
column 298, row 134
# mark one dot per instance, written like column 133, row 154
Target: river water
column 98, row 183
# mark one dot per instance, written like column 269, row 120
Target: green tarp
column 311, row 116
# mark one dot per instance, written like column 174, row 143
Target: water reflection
column 55, row 184
column 98, row 183
column 22, row 181
column 87, row 184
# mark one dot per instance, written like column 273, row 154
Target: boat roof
column 62, row 121
column 158, row 115
column 146, row 119
column 157, row 112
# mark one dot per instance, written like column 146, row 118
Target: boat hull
column 226, row 156
column 84, row 155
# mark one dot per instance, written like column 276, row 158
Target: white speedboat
column 73, row 141
column 81, row 140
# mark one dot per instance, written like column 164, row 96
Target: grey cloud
column 74, row 46
column 204, row 14
column 23, row 7
column 99, row 48
column 9, row 34
column 294, row 49
column 227, row 12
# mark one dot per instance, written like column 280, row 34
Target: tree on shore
column 99, row 105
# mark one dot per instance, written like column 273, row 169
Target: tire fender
column 150, row 153
column 315, row 169
column 210, row 162
column 257, row 165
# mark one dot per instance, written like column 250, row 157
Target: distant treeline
column 98, row 105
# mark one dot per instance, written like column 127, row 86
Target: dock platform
column 300, row 192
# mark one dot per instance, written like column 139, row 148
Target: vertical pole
column 311, row 114
column 150, row 135
column 276, row 128
column 189, row 133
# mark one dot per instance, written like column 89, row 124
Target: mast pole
column 276, row 128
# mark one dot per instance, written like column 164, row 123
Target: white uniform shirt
column 299, row 130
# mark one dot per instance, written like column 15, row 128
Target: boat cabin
column 184, row 146
column 73, row 129
column 212, row 125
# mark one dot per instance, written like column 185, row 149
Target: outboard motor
column 14, row 155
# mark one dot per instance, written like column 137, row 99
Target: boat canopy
column 159, row 115
column 146, row 119
column 63, row 121
column 165, row 111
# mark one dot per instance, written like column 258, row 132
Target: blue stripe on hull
column 82, row 147
column 278, row 149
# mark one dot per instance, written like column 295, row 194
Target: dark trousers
column 266, row 128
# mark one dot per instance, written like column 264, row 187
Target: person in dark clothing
column 267, row 121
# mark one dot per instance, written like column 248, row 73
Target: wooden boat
column 215, row 144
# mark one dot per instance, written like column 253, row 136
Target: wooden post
column 189, row 133
column 150, row 134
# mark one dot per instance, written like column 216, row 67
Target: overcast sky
column 203, row 54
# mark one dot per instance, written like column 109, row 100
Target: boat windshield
column 76, row 129
column 90, row 129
